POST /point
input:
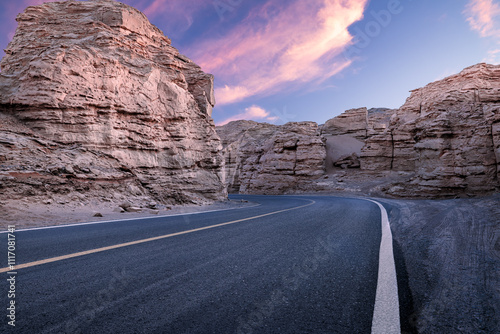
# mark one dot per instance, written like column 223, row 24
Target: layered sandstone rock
column 353, row 122
column 97, row 76
column 268, row 159
column 347, row 133
column 443, row 142
column 447, row 133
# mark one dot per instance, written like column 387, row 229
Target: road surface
column 287, row 265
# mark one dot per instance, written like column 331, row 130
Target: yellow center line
column 137, row 242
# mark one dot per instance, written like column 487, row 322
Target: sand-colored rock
column 268, row 159
column 448, row 133
column 443, row 142
column 347, row 133
column 352, row 122
column 97, row 76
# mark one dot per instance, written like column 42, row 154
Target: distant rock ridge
column 263, row 158
column 443, row 142
column 96, row 78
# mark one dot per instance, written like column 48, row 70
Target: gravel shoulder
column 451, row 254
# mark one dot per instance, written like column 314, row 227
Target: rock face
column 347, row 133
column 443, row 142
column 268, row 159
column 352, row 122
column 448, row 133
column 97, row 79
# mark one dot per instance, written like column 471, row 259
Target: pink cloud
column 254, row 113
column 482, row 16
column 493, row 57
column 298, row 44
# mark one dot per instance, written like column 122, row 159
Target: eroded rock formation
column 347, row 133
column 352, row 122
column 447, row 133
column 263, row 158
column 443, row 142
column 94, row 88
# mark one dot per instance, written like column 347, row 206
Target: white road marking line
column 136, row 242
column 128, row 219
column 386, row 314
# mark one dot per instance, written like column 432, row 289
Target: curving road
column 287, row 265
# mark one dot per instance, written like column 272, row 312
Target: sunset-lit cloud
column 483, row 16
column 281, row 44
column 254, row 113
column 493, row 57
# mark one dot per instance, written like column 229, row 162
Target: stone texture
column 378, row 120
column 352, row 122
column 268, row 159
column 443, row 142
column 338, row 148
column 346, row 134
column 348, row 161
column 97, row 78
column 447, row 133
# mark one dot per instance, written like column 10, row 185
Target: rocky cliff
column 93, row 96
column 263, row 158
column 347, row 133
column 448, row 133
column 443, row 142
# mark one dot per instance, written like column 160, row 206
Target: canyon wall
column 263, row 158
column 347, row 133
column 443, row 142
column 92, row 95
column 447, row 133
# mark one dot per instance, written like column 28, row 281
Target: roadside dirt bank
column 451, row 254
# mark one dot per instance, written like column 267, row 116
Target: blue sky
column 310, row 60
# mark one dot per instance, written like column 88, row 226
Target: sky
column 278, row 61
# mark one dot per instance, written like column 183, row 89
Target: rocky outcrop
column 352, row 122
column 268, row 159
column 358, row 123
column 443, row 142
column 101, row 94
column 447, row 133
column 347, row 133
column 378, row 120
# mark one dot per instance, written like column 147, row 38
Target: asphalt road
column 304, row 265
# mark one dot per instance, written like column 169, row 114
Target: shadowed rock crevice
column 495, row 137
column 393, row 151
